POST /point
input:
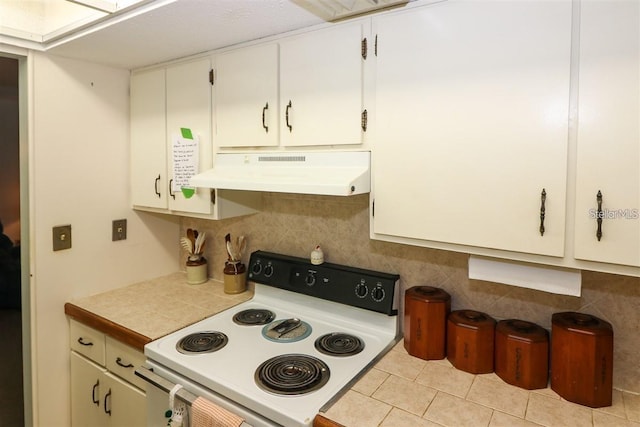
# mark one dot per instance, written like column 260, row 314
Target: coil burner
column 339, row 344
column 202, row 342
column 254, row 316
column 292, row 374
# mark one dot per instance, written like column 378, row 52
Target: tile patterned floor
column 402, row 390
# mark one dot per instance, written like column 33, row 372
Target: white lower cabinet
column 101, row 391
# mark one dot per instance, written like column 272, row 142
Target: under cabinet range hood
column 335, row 173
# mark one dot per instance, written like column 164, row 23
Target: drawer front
column 87, row 341
column 122, row 360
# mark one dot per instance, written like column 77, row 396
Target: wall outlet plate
column 119, row 230
column 61, row 237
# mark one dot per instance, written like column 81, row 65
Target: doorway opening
column 11, row 359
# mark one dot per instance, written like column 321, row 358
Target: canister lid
column 471, row 319
column 522, row 330
column 427, row 293
column 581, row 322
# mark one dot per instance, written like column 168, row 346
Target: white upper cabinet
column 321, row 87
column 149, row 180
column 301, row 90
column 189, row 108
column 246, row 97
column 168, row 103
column 608, row 147
column 472, row 104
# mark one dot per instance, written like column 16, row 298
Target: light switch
column 61, row 237
column 119, row 230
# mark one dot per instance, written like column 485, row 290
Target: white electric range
column 308, row 333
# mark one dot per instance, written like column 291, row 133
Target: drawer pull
column 93, row 393
column 81, row 341
column 119, row 362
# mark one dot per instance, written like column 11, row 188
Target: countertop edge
column 119, row 332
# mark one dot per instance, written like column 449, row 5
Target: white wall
column 79, row 175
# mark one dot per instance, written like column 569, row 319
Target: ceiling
column 147, row 32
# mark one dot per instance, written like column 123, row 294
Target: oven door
column 160, row 380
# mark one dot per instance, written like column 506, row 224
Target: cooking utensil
column 186, row 245
column 286, row 326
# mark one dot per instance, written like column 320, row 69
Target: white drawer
column 122, row 360
column 87, row 341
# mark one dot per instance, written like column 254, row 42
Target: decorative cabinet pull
column 543, row 199
column 599, row 215
column 171, row 193
column 156, row 185
column 286, row 116
column 119, row 363
column 81, row 341
column 93, row 393
column 264, row 112
column 107, row 397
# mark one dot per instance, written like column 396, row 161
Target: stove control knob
column 377, row 294
column 361, row 290
column 268, row 270
column 310, row 280
column 256, row 268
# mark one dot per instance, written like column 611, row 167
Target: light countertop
column 401, row 390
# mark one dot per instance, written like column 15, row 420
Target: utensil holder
column 235, row 277
column 197, row 271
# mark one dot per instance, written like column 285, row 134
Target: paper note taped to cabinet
column 185, row 149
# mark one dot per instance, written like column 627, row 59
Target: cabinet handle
column 171, row 193
column 107, row 397
column 286, row 116
column 599, row 215
column 81, row 341
column 93, row 393
column 543, row 199
column 119, row 363
column 264, row 111
column 156, row 185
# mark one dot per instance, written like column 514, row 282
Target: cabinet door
column 189, row 107
column 608, row 154
column 148, row 140
column 246, row 97
column 321, row 75
column 126, row 404
column 472, row 123
column 88, row 388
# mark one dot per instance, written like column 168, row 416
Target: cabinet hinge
column 364, row 121
column 373, row 208
column 211, row 76
column 364, row 48
column 375, row 46
column 213, row 196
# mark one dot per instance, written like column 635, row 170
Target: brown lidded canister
column 522, row 354
column 582, row 358
column 425, row 321
column 470, row 337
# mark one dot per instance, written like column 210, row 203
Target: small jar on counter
column 235, row 277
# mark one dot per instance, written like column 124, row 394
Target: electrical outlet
column 61, row 237
column 119, row 230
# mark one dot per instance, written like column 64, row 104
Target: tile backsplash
column 295, row 224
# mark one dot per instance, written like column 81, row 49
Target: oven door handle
column 165, row 385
